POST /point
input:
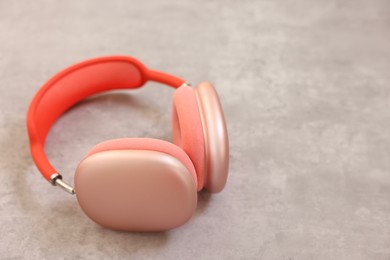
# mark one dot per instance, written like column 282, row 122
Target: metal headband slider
column 56, row 180
column 185, row 84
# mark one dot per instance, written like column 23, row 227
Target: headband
column 74, row 84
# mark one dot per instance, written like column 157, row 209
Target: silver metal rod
column 66, row 187
column 185, row 84
column 56, row 180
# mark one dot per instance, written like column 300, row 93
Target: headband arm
column 74, row 84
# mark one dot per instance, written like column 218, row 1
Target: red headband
column 76, row 83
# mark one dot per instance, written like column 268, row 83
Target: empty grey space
column 305, row 86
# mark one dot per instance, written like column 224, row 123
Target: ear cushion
column 147, row 144
column 188, row 130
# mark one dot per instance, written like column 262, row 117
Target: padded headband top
column 76, row 83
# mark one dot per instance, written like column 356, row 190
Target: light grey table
column 306, row 90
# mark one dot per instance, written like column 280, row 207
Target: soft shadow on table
column 58, row 216
column 203, row 201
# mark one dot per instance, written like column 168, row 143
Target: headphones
column 136, row 184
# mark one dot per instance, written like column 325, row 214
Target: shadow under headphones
column 136, row 184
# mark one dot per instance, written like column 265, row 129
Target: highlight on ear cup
column 146, row 144
column 188, row 130
column 137, row 184
column 215, row 137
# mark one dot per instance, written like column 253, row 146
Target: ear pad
column 187, row 129
column 137, row 185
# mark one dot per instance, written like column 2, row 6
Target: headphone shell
column 135, row 190
column 215, row 134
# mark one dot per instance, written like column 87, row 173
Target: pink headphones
column 136, row 184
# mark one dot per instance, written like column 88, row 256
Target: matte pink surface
column 135, row 190
column 147, row 144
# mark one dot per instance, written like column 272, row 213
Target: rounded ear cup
column 137, row 184
column 215, row 137
column 188, row 130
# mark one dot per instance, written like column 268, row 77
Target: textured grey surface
column 306, row 90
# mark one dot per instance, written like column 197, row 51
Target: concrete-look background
column 305, row 86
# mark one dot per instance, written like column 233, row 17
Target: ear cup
column 137, row 184
column 215, row 137
column 188, row 130
column 146, row 144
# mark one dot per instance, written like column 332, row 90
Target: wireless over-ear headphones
column 136, row 184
